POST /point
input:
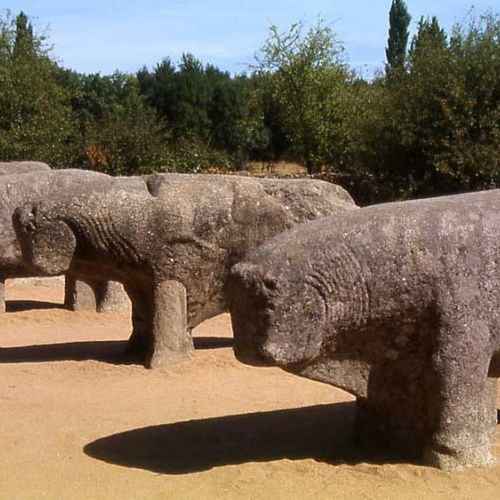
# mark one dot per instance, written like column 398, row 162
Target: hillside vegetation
column 429, row 123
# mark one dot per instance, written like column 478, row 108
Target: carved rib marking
column 101, row 233
column 95, row 233
column 340, row 282
column 128, row 250
column 80, row 226
column 318, row 281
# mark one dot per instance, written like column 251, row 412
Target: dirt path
column 77, row 424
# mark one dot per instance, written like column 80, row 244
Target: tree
column 129, row 140
column 159, row 88
column 306, row 75
column 205, row 107
column 24, row 44
column 437, row 131
column 399, row 20
column 119, row 133
column 35, row 115
column 237, row 123
column 429, row 34
column 193, row 95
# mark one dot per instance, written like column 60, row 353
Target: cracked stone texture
column 399, row 304
column 174, row 245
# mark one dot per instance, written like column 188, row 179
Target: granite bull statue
column 172, row 249
column 22, row 167
column 399, row 304
column 18, row 189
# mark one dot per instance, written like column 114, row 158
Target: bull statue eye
column 29, row 222
column 270, row 282
column 30, row 226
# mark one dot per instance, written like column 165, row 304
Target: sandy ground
column 78, row 423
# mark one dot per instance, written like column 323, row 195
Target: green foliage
column 437, row 130
column 202, row 104
column 125, row 136
column 193, row 93
column 25, row 44
column 429, row 34
column 159, row 88
column 305, row 78
column 430, row 125
column 399, row 20
column 193, row 156
column 118, row 132
column 468, row 144
column 35, row 117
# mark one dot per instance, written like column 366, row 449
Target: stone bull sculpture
column 22, row 167
column 399, row 304
column 18, row 189
column 172, row 251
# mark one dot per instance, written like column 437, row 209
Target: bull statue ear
column 50, row 249
column 23, row 220
column 245, row 272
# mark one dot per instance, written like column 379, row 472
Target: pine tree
column 24, row 41
column 399, row 20
column 429, row 36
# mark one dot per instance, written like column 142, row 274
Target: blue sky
column 101, row 36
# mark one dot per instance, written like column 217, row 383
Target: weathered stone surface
column 173, row 246
column 18, row 189
column 22, row 167
column 2, row 294
column 79, row 295
column 111, row 297
column 91, row 295
column 398, row 304
column 304, row 199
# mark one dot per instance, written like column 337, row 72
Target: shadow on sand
column 108, row 351
column 322, row 432
column 29, row 305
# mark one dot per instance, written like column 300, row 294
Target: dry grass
column 280, row 168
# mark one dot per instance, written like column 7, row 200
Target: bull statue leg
column 111, row 297
column 140, row 342
column 463, row 407
column 171, row 338
column 100, row 296
column 392, row 416
column 159, row 318
column 2, row 294
column 79, row 295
